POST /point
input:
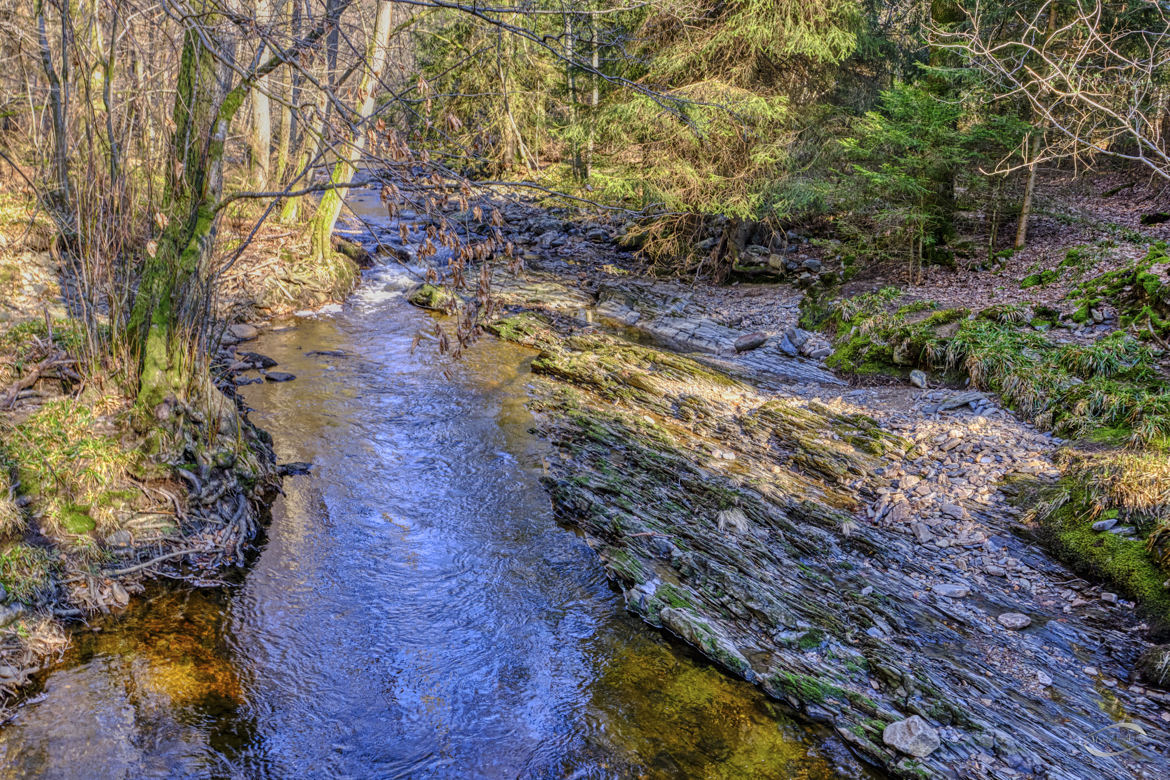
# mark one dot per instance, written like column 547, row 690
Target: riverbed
column 415, row 609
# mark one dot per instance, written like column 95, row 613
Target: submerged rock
column 913, row 736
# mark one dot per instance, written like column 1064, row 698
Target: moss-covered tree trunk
column 329, row 209
column 170, row 301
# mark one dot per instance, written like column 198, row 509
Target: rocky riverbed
column 855, row 552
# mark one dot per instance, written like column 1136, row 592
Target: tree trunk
column 57, row 98
column 1033, row 156
column 260, row 137
column 1029, row 189
column 169, row 298
column 328, row 210
column 594, row 96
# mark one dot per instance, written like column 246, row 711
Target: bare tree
column 1094, row 79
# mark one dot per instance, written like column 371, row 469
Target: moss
column 1136, row 290
column 434, row 297
column 1124, row 564
column 74, row 472
column 524, row 328
column 673, row 596
column 1039, row 279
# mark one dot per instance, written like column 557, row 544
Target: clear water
column 416, row 610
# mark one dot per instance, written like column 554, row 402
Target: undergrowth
column 1109, row 390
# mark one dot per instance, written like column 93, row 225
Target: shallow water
column 415, row 611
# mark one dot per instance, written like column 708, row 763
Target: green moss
column 434, row 297
column 1039, row 279
column 1124, row 564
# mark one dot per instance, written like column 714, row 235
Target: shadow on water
column 416, row 611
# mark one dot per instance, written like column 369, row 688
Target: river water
column 415, row 611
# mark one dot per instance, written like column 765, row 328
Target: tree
column 328, row 210
column 1093, row 73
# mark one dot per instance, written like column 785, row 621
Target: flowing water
column 415, row 610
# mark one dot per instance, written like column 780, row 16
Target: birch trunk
column 329, row 209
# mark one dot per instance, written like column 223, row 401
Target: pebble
column 951, row 590
column 1015, row 621
column 279, row 376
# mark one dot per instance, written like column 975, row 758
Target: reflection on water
column 415, row 611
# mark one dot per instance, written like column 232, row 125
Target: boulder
column 242, row 331
column 1015, row 621
column 913, row 736
column 750, row 341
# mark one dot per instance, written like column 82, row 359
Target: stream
column 415, row 609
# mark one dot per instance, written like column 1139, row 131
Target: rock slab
column 913, row 736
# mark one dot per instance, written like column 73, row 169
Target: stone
column 120, row 538
column 242, row 331
column 798, row 336
column 9, row 613
column 899, row 512
column 953, row 510
column 9, row 672
column 1016, row 621
column 1105, row 525
column 913, row 736
column 1109, row 598
column 257, row 360
column 121, row 597
column 279, row 376
column 787, row 347
column 750, row 341
column 918, row 378
column 821, row 354
column 922, row 533
column 951, row 590
column 811, row 264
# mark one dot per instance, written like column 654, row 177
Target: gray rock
column 811, row 264
column 918, row 378
column 821, row 354
column 242, row 331
column 786, row 346
column 120, row 538
column 951, row 590
column 1105, row 525
column 798, row 336
column 953, row 510
column 1016, row 621
column 279, row 376
column 912, row 736
column 9, row 613
column 750, row 341
column 922, row 533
